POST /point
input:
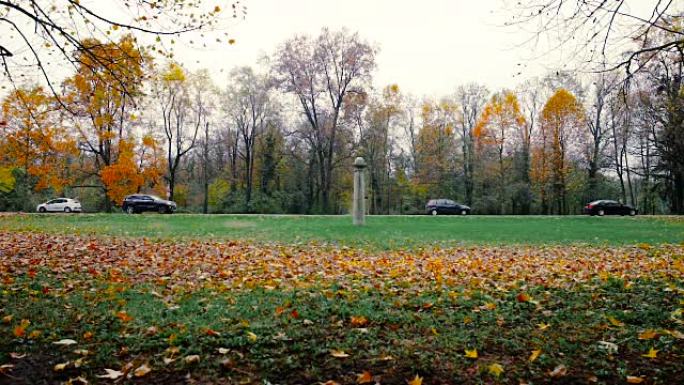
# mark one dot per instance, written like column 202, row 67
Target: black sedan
column 608, row 207
column 138, row 203
column 445, row 206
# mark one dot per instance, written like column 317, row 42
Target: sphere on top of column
column 359, row 162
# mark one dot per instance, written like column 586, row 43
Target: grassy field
column 228, row 299
column 380, row 232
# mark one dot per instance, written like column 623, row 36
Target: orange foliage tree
column 493, row 133
column 561, row 121
column 102, row 98
column 34, row 140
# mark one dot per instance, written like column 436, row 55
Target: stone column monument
column 359, row 205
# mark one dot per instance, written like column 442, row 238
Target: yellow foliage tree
column 561, row 120
column 34, row 139
column 493, row 133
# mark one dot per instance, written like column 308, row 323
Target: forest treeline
column 281, row 136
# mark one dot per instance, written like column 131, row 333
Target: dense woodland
column 281, row 137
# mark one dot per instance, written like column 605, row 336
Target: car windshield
column 156, row 198
column 595, row 202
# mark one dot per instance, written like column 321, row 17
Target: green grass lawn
column 380, row 231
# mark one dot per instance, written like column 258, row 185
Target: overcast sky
column 428, row 47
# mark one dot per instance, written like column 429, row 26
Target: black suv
column 445, row 206
column 607, row 207
column 137, row 203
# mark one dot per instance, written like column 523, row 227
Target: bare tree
column 471, row 99
column 321, row 72
column 250, row 107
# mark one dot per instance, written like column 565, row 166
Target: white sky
column 428, row 47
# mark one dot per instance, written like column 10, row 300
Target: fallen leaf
column 495, row 369
column 223, row 350
column 364, row 378
column 610, row 347
column 5, row 368
column 471, row 353
column 647, row 334
column 535, row 354
column 252, row 337
column 559, row 371
column 17, row 356
column 417, row 380
column 60, row 367
column 339, row 353
column 359, row 321
column 65, row 342
column 192, row 359
column 634, row 380
column 543, row 326
column 523, row 297
column 615, row 322
column 111, row 374
column 652, row 353
column 142, row 370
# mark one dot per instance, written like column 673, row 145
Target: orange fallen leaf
column 523, row 297
column 364, row 378
column 647, row 334
column 634, row 380
column 359, row 321
column 615, row 322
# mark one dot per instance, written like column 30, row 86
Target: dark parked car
column 607, row 207
column 137, row 203
column 445, row 206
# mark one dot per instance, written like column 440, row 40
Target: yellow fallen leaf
column 615, row 322
column 495, row 369
column 252, row 337
column 60, row 367
column 676, row 334
column 647, row 334
column 417, row 380
column 543, row 326
column 338, row 353
column 364, row 378
column 634, row 380
column 652, row 353
column 142, row 370
column 535, row 354
column 471, row 353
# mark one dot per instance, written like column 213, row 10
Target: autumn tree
column 562, row 118
column 321, row 73
column 102, row 97
column 50, row 34
column 436, row 147
column 500, row 121
column 34, row 139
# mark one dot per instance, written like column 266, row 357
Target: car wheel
column 130, row 210
column 632, row 213
column 433, row 212
column 163, row 210
column 67, row 210
column 464, row 212
column 601, row 213
column 42, row 209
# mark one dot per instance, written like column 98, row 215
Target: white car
column 65, row 205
